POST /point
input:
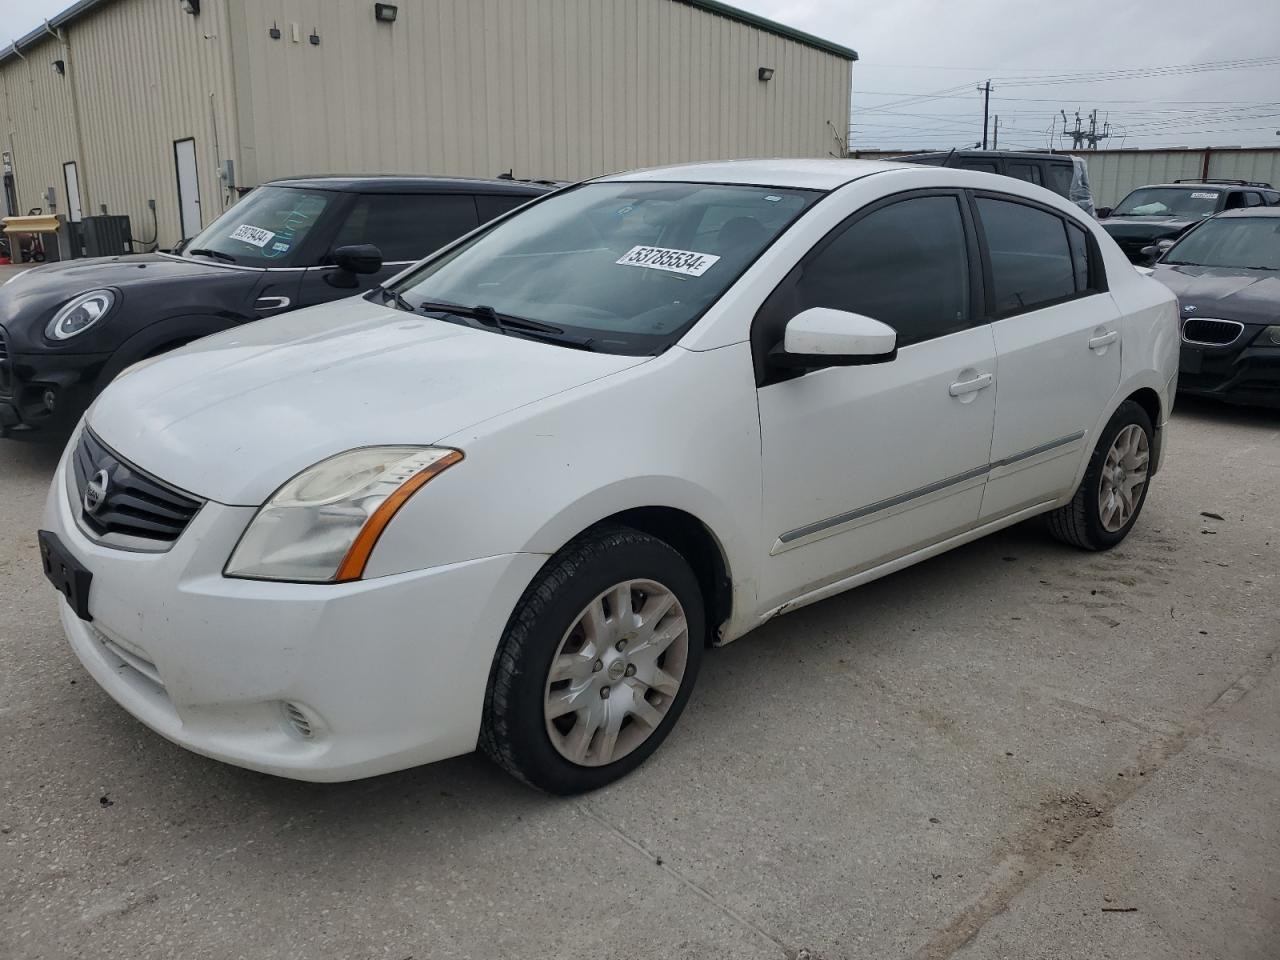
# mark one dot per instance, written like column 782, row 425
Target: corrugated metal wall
column 549, row 88
column 1113, row 173
column 140, row 74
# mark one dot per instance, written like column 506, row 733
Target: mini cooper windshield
column 1251, row 243
column 264, row 229
column 617, row 267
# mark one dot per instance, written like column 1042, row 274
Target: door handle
column 271, row 303
column 962, row 387
column 1103, row 340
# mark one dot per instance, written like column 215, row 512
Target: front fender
column 161, row 336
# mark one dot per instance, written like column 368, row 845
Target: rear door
column 1058, row 342
column 405, row 227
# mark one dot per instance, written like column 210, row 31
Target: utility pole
column 986, row 104
column 995, row 134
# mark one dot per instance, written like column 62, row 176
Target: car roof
column 1205, row 185
column 409, row 183
column 793, row 173
column 1063, row 158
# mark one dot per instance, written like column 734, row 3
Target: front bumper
column 387, row 673
column 47, row 391
column 1241, row 372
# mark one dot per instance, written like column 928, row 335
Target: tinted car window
column 1031, row 262
column 493, row 206
column 982, row 166
column 1025, row 171
column 1169, row 202
column 407, row 226
column 905, row 265
column 1079, row 244
column 1059, row 178
column 1252, row 199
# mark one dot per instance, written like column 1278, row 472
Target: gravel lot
column 1014, row 750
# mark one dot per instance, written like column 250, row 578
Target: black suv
column 1165, row 211
column 1059, row 172
column 68, row 328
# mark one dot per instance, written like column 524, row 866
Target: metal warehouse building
column 121, row 103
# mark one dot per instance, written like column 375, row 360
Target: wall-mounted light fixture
column 191, row 6
column 385, row 12
column 60, row 67
column 274, row 32
column 314, row 39
column 765, row 74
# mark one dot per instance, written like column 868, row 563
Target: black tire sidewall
column 1128, row 413
column 527, row 744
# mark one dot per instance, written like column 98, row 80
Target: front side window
column 905, row 264
column 1031, row 260
column 1241, row 242
column 626, row 266
column 265, row 229
column 1169, row 202
column 407, row 227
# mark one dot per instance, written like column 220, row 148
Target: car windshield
column 265, row 229
column 1169, row 202
column 1244, row 242
column 623, row 267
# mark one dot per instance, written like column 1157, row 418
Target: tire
column 1083, row 522
column 568, row 617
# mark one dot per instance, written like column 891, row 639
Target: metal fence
column 1113, row 173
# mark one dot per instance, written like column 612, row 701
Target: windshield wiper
column 209, row 252
column 508, row 324
column 399, row 301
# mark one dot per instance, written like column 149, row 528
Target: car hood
column 31, row 299
column 1143, row 227
column 1228, row 293
column 233, row 416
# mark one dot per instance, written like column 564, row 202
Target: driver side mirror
column 823, row 337
column 357, row 258
column 1104, row 212
column 1157, row 250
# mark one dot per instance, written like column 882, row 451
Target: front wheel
column 1114, row 487
column 597, row 662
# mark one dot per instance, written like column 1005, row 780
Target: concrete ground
column 1017, row 750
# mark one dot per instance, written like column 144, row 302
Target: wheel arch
column 160, row 337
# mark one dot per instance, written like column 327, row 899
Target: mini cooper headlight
column 322, row 525
column 1269, row 337
column 78, row 315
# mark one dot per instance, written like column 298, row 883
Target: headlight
column 1270, row 337
column 321, row 526
column 79, row 315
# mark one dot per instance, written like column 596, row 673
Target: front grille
column 6, row 379
column 1215, row 333
column 134, row 504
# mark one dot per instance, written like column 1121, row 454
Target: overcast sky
column 1042, row 57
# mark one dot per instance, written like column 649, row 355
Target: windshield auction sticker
column 252, row 235
column 686, row 262
column 1204, row 196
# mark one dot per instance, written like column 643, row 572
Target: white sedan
column 510, row 499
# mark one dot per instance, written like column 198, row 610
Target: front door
column 864, row 464
column 404, row 227
column 184, row 156
column 1057, row 336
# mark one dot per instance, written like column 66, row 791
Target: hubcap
column 1124, row 475
column 616, row 673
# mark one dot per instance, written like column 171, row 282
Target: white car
column 509, row 500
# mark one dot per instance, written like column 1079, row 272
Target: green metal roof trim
column 73, row 12
column 772, row 26
column 80, row 8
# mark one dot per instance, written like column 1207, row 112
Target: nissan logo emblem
column 95, row 492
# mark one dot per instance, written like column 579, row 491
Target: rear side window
column 1031, row 259
column 1025, row 171
column 407, row 227
column 1059, row 178
column 982, row 166
column 905, row 265
column 1079, row 243
column 495, row 205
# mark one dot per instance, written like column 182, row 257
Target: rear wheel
column 1114, row 487
column 597, row 662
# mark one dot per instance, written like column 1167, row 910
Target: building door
column 71, row 178
column 184, row 155
column 10, row 191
